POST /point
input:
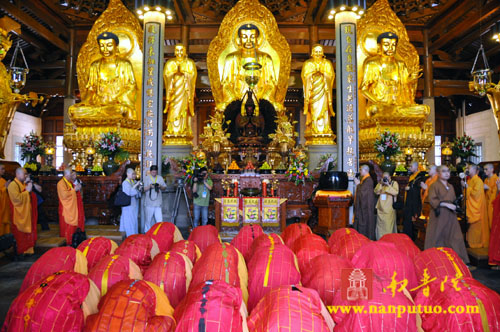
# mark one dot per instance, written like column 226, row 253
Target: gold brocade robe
column 386, row 215
column 491, row 194
column 180, row 81
column 233, row 78
column 317, row 78
column 478, row 234
column 4, row 208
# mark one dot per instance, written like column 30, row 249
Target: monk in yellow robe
column 478, row 235
column 490, row 188
column 433, row 176
column 71, row 214
column 4, row 203
column 24, row 212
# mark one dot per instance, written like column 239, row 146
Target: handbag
column 397, row 204
column 122, row 199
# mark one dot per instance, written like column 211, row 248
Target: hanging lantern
column 18, row 74
column 481, row 78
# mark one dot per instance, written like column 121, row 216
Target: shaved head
column 21, row 174
column 432, row 170
column 473, row 169
column 489, row 169
column 67, row 172
column 364, row 169
column 414, row 167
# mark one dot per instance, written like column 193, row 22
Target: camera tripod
column 181, row 191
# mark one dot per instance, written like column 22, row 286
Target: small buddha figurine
column 8, row 99
column 250, row 126
column 233, row 80
column 180, row 80
column 317, row 78
column 111, row 88
column 387, row 83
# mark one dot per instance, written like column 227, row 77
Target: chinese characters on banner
column 349, row 100
column 265, row 210
column 152, row 96
column 270, row 211
column 251, row 210
column 230, row 211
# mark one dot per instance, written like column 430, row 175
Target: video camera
column 457, row 202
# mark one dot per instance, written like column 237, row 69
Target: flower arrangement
column 401, row 168
column 110, row 144
column 31, row 166
column 463, row 147
column 387, row 144
column 31, row 147
column 189, row 164
column 298, row 172
column 327, row 157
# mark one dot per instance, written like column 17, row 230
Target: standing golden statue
column 180, row 81
column 111, row 88
column 8, row 100
column 317, row 77
column 388, row 84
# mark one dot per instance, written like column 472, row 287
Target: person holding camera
column 387, row 191
column 153, row 185
column 71, row 213
column 24, row 212
column 130, row 213
column 202, row 185
column 478, row 235
column 443, row 229
column 364, row 203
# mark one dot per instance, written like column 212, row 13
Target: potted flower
column 189, row 165
column 31, row 147
column 110, row 145
column 387, row 145
column 297, row 171
column 463, row 147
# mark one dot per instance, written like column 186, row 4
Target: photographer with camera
column 202, row 185
column 71, row 213
column 478, row 235
column 153, row 185
column 387, row 191
column 443, row 229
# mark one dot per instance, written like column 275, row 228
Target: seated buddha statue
column 387, row 83
column 234, row 84
column 111, row 88
column 250, row 127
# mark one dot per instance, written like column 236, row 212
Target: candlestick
column 264, row 189
column 235, row 188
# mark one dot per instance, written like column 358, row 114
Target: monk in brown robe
column 24, row 212
column 364, row 204
column 433, row 177
column 413, row 203
column 494, row 250
column 478, row 235
column 71, row 215
column 443, row 229
column 490, row 190
column 4, row 203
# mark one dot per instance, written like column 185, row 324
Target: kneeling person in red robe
column 71, row 214
column 23, row 205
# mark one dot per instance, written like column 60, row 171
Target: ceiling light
column 168, row 12
column 330, row 17
column 169, row 17
column 158, row 9
column 146, row 8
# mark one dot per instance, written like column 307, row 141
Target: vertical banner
column 251, row 210
column 348, row 101
column 152, row 92
column 230, row 211
column 270, row 211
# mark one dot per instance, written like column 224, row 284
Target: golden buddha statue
column 317, row 77
column 234, row 84
column 387, row 83
column 180, row 81
column 8, row 100
column 111, row 87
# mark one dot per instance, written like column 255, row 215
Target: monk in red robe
column 494, row 251
column 478, row 235
column 4, row 203
column 24, row 212
column 71, row 214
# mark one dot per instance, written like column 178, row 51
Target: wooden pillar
column 70, row 65
column 428, row 75
column 313, row 36
column 185, row 36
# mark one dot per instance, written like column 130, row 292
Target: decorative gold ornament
column 180, row 81
column 317, row 78
column 110, row 81
column 233, row 47
column 387, row 79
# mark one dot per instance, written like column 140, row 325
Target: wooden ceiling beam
column 31, row 39
column 187, row 10
column 321, row 12
column 178, row 13
column 493, row 50
column 474, row 35
column 436, row 26
column 312, row 5
column 33, row 24
column 451, row 87
column 451, row 65
column 465, row 26
column 46, row 14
